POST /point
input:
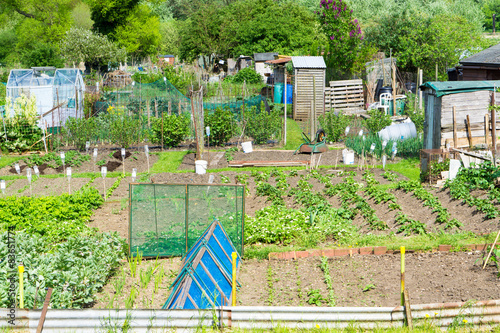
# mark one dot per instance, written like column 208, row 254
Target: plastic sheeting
column 205, row 279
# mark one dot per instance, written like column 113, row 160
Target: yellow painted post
column 402, row 275
column 21, row 287
column 233, row 293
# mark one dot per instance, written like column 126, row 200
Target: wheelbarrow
column 316, row 146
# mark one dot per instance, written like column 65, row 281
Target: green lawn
column 169, row 161
column 293, row 135
column 7, row 160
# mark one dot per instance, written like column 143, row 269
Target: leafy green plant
column 113, row 187
column 248, row 75
column 328, row 280
column 76, row 269
column 315, row 297
column 334, row 124
column 390, row 176
column 54, row 218
column 368, row 287
column 124, row 130
column 81, row 130
column 222, row 125
column 409, row 226
column 175, row 129
column 377, row 120
column 262, row 126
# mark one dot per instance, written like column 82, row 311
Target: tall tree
column 109, row 14
column 140, row 34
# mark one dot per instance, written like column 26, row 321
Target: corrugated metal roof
column 264, row 56
column 488, row 57
column 455, row 87
column 308, row 62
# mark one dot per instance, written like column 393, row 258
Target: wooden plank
column 455, row 142
column 486, row 128
column 464, row 142
column 469, row 134
column 346, row 82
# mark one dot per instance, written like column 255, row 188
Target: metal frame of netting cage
column 165, row 220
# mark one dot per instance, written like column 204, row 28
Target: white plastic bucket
column 348, row 156
column 247, row 146
column 200, row 167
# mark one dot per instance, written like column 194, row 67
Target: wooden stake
column 420, row 98
column 455, row 139
column 162, row 119
column 491, row 250
column 394, row 111
column 409, row 321
column 44, row 311
column 493, row 127
column 469, row 134
column 486, row 129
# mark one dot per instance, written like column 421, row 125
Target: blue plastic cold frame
column 205, row 278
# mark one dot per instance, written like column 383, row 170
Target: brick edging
column 376, row 250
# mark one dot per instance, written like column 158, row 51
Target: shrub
column 262, row 126
column 221, row 125
column 247, row 75
column 334, row 125
column 175, row 129
column 377, row 121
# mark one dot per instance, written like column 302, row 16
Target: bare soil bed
column 109, row 158
column 369, row 280
column 357, row 281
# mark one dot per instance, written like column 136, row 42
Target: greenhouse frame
column 59, row 93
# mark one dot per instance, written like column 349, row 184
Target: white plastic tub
column 247, row 146
column 348, row 156
column 200, row 167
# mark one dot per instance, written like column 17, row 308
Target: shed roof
column 308, row 62
column 279, row 61
column 488, row 57
column 455, row 87
column 264, row 56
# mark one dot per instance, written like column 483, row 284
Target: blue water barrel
column 278, row 93
column 289, row 94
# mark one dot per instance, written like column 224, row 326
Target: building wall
column 262, row 68
column 439, row 123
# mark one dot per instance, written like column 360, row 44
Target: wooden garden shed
column 457, row 112
column 484, row 65
column 309, row 87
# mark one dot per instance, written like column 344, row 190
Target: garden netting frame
column 165, row 220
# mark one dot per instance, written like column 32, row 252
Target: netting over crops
column 161, row 96
column 166, row 220
column 151, row 99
